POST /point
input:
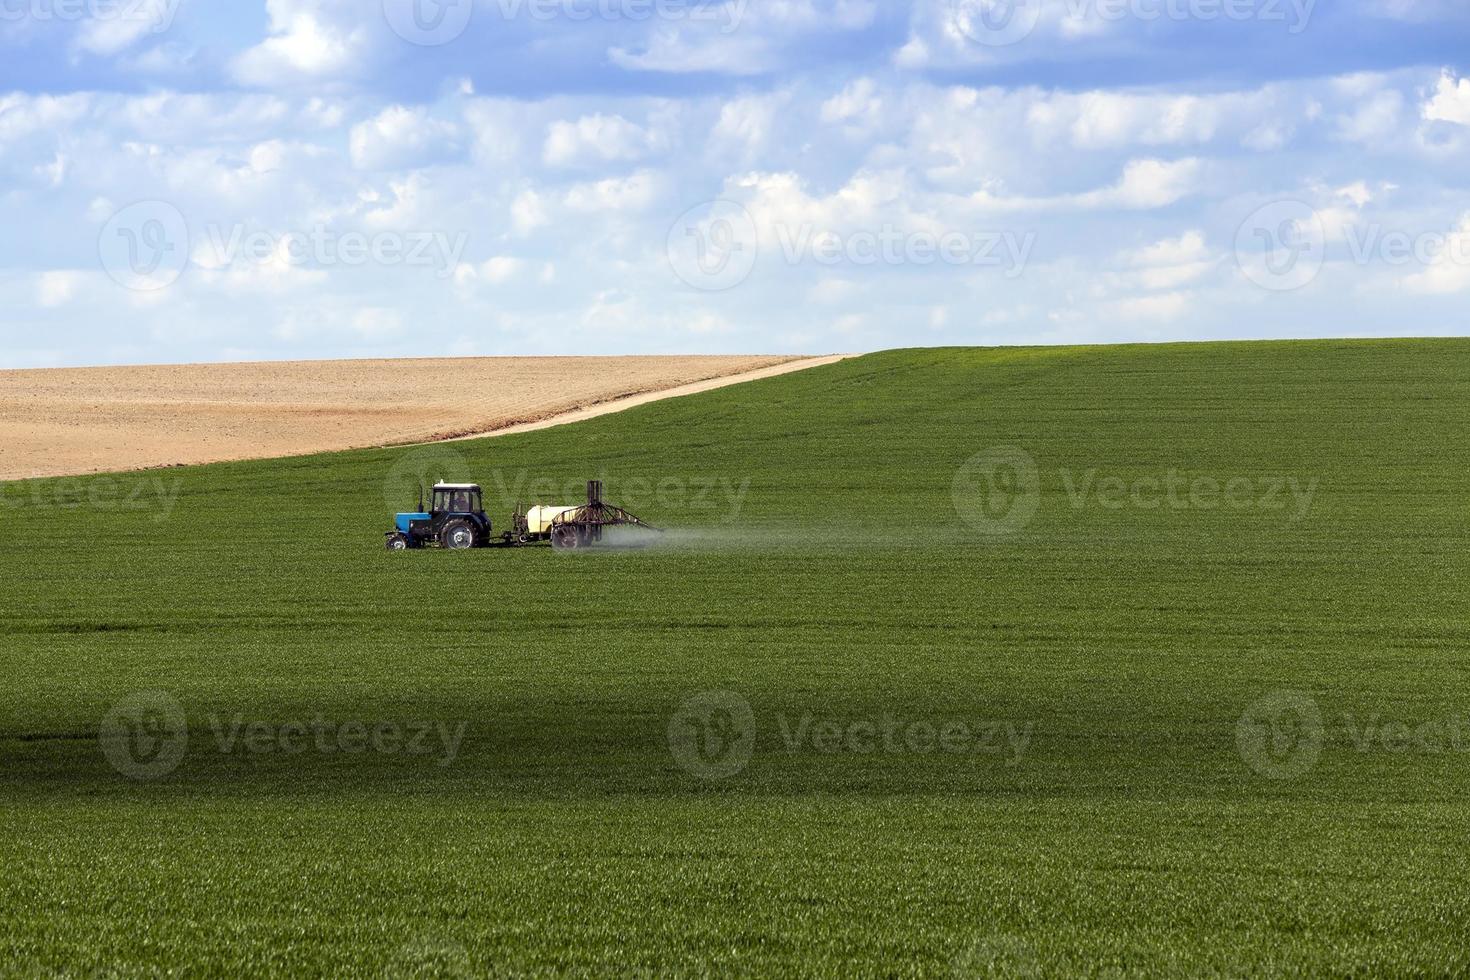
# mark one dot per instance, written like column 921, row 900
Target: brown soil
column 68, row 421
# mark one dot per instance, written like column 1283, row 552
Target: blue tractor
column 455, row 520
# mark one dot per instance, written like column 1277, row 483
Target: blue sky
column 273, row 179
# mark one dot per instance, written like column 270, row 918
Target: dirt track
column 68, row 421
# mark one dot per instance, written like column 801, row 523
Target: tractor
column 456, row 520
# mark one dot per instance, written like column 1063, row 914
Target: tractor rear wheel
column 564, row 537
column 458, row 535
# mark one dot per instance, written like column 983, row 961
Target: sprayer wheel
column 566, row 538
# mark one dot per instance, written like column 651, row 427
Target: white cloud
column 227, row 263
column 125, row 25
column 1358, row 193
column 496, row 271
column 1374, row 117
column 914, row 55
column 1267, row 137
column 413, row 205
column 54, row 173
column 1449, row 272
column 346, row 324
column 1189, row 247
column 596, row 139
column 1149, row 184
column 1173, row 276
column 1166, row 306
column 745, row 124
column 1171, row 263
column 858, row 102
column 498, row 127
column 1083, row 21
column 399, row 137
column 163, row 59
column 783, row 209
column 528, row 212
column 1145, row 185
column 949, row 34
column 23, row 115
column 268, row 157
column 322, row 114
column 1115, row 119
column 56, row 288
column 304, row 43
column 377, row 323
column 633, row 193
column 1450, row 102
column 502, row 268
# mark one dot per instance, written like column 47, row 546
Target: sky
column 285, row 179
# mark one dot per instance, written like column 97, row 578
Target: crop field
column 1132, row 661
column 64, row 421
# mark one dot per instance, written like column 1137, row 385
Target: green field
column 1034, row 644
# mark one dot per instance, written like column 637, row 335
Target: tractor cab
column 456, row 498
column 455, row 519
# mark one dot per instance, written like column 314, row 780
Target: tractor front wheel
column 458, row 535
column 397, row 542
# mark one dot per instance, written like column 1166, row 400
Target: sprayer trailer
column 456, row 520
column 587, row 527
